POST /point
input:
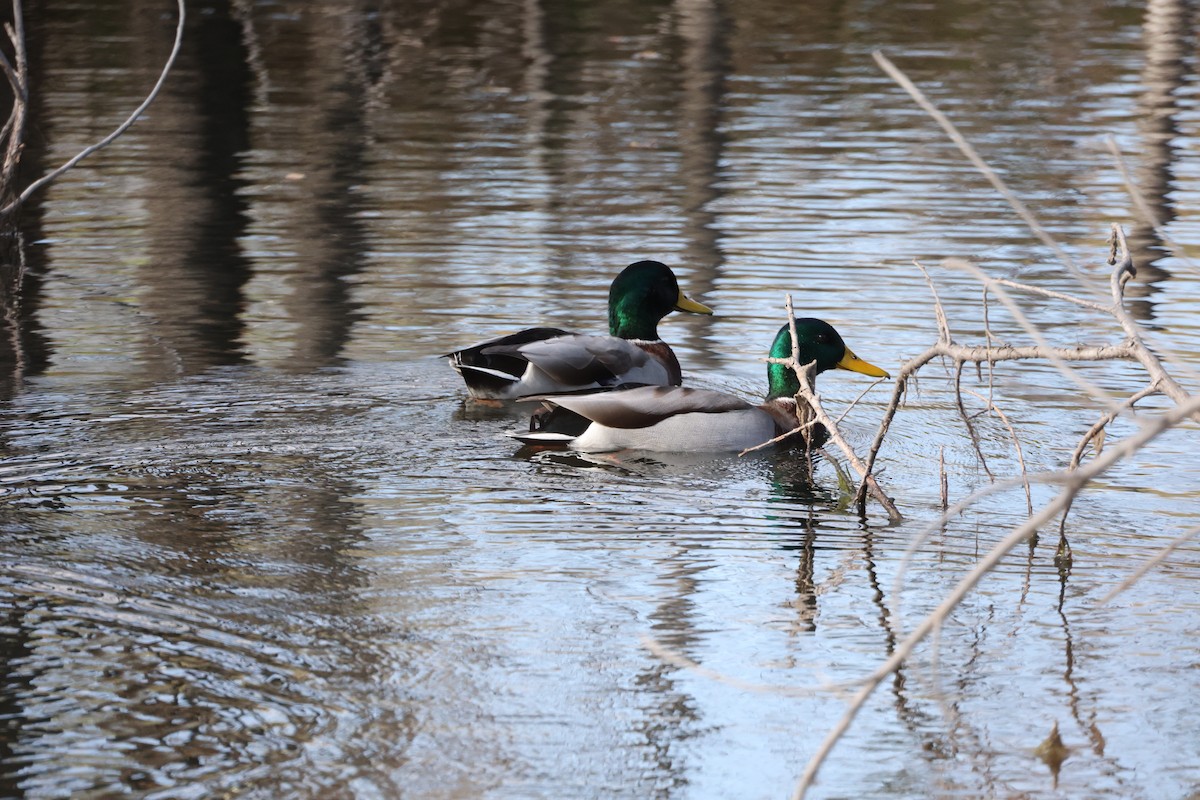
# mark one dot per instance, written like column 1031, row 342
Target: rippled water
column 256, row 542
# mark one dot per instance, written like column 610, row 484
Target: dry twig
column 16, row 130
column 1071, row 480
column 809, row 406
column 1073, row 483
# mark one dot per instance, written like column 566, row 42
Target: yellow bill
column 855, row 364
column 685, row 303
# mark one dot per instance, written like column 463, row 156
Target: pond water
column 256, row 542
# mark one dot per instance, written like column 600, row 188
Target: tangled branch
column 1132, row 347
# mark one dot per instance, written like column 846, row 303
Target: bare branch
column 1105, row 419
column 15, row 80
column 963, row 145
column 1072, row 480
column 18, row 78
column 802, row 429
column 1066, row 298
column 1016, row 440
column 966, row 418
column 938, row 310
column 810, row 412
column 943, row 479
column 1073, row 483
column 1120, row 276
column 1162, row 556
column 850, row 406
column 107, row 140
column 809, row 396
column 1139, row 200
column 1124, row 351
column 1055, row 355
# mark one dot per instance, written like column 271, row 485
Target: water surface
column 257, row 543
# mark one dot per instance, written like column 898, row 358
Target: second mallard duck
column 681, row 419
column 549, row 360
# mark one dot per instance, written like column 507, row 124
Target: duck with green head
column 540, row 361
column 680, row 419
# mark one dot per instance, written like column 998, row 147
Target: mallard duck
column 540, row 361
column 682, row 419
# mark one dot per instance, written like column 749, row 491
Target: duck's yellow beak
column 685, row 303
column 855, row 364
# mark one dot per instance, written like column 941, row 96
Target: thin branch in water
column 1038, row 290
column 1141, row 571
column 1105, row 419
column 1072, row 480
column 808, row 395
column 943, row 479
column 120, row 129
column 1016, row 440
column 991, row 354
column 990, row 338
column 18, row 78
column 811, row 412
column 857, row 400
column 1051, row 353
column 1124, row 271
column 800, row 429
column 938, row 310
column 1096, row 434
column 1073, row 483
column 967, row 150
column 1126, row 350
column 909, row 369
column 1139, row 200
column 15, row 80
column 966, row 418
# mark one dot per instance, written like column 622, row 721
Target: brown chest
column 664, row 354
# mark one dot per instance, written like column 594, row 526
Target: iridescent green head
column 642, row 295
column 816, row 341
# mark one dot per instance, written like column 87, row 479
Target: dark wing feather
column 575, row 360
column 501, row 354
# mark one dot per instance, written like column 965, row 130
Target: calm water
column 255, row 542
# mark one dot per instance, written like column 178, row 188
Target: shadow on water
column 328, row 165
column 196, row 245
column 24, row 353
column 24, row 350
column 1169, row 35
column 213, row 223
column 704, row 63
